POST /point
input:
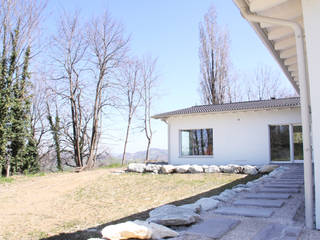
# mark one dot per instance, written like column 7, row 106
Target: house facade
column 253, row 132
column 289, row 29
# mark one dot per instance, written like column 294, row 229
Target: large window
column 280, row 143
column 196, row 142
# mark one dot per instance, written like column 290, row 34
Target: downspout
column 304, row 100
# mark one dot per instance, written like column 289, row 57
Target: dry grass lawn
column 43, row 206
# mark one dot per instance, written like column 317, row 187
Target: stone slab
column 278, row 190
column 213, row 228
column 245, row 211
column 273, row 185
column 287, row 182
column 259, row 203
column 267, row 195
column 278, row 231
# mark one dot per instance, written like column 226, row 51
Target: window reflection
column 196, row 142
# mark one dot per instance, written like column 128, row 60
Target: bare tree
column 148, row 83
column 130, row 89
column 266, row 84
column 108, row 49
column 70, row 50
column 214, row 60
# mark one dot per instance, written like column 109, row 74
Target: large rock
column 137, row 167
column 231, row 168
column 225, row 196
column 166, row 169
column 155, row 168
column 212, row 169
column 195, row 207
column 170, row 215
column 207, row 203
column 267, row 168
column 158, row 231
column 126, row 230
column 195, row 169
column 182, row 168
column 251, row 170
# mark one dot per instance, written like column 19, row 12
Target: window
column 196, row 142
column 280, row 143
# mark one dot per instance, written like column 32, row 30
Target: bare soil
column 63, row 205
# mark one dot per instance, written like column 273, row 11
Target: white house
column 289, row 29
column 253, row 132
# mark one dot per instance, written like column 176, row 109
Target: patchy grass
column 4, row 180
column 44, row 207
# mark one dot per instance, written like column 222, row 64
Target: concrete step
column 213, row 228
column 278, row 190
column 274, row 185
column 267, row 196
column 245, row 211
column 259, row 203
column 278, row 231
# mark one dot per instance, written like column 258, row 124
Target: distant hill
column 156, row 154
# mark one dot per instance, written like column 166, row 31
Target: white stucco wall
column 311, row 9
column 238, row 137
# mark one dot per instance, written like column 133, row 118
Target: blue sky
column 169, row 30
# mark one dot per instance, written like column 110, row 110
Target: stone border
column 168, row 215
column 230, row 168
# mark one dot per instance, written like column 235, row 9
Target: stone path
column 265, row 211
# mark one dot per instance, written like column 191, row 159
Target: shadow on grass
column 95, row 233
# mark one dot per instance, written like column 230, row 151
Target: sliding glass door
column 286, row 143
column 280, row 143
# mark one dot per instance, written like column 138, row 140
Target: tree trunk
column 125, row 142
column 148, row 149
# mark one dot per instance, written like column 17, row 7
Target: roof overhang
column 279, row 40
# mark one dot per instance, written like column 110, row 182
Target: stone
column 259, row 203
column 225, row 196
column 275, row 185
column 247, row 212
column 267, row 195
column 267, row 168
column 155, row 168
column 158, row 231
column 170, row 215
column 207, row 203
column 195, row 169
column 195, row 207
column 213, row 228
column 278, row 231
column 137, row 167
column 231, row 168
column 212, row 169
column 126, row 230
column 278, row 190
column 250, row 170
column 191, row 236
column 182, row 168
column 239, row 189
column 166, row 169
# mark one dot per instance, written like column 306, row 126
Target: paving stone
column 273, row 185
column 259, row 202
column 278, row 190
column 276, row 231
column 267, row 195
column 243, row 211
column 213, row 228
column 287, row 182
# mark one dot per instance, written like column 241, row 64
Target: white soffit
column 278, row 39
